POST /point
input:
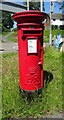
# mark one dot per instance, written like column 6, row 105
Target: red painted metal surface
column 31, row 52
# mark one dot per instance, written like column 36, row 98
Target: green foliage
column 7, row 21
column 61, row 27
column 52, row 27
column 56, row 27
column 46, row 33
column 0, row 21
column 15, row 29
column 34, row 5
column 4, row 29
column 49, row 101
column 61, row 4
column 5, row 33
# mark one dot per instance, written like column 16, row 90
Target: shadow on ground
column 47, row 78
column 30, row 96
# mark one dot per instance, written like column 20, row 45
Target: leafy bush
column 56, row 27
column 4, row 29
column 61, row 27
column 15, row 29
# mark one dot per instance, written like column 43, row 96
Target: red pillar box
column 30, row 45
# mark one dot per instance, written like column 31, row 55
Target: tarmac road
column 8, row 47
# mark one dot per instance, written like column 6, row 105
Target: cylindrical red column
column 30, row 47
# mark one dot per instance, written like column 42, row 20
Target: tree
column 52, row 27
column 61, row 27
column 34, row 5
column 61, row 5
column 0, row 21
column 7, row 21
column 56, row 27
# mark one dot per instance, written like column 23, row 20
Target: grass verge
column 13, row 37
column 4, row 33
column 49, row 101
column 54, row 32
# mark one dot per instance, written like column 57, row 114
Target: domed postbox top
column 31, row 16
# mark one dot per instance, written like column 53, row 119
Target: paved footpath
column 46, row 117
column 9, row 46
column 4, row 38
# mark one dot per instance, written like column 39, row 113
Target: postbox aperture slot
column 31, row 32
column 32, row 45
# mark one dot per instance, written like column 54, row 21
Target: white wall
column 57, row 22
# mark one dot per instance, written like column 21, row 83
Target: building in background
column 57, row 19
